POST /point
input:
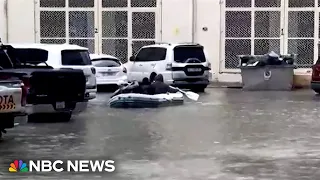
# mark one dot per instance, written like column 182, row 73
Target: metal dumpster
column 268, row 77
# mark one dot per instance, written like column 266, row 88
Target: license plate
column 194, row 69
column 60, row 105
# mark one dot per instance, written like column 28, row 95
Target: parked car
column 315, row 78
column 110, row 71
column 12, row 101
column 64, row 56
column 183, row 65
column 48, row 90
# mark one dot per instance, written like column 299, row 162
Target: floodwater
column 227, row 135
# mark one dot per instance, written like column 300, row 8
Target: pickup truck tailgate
column 52, row 86
column 90, row 77
column 10, row 97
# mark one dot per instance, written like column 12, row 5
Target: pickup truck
column 12, row 103
column 49, row 90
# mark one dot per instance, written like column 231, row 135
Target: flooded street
column 227, row 135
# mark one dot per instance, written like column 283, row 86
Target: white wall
column 21, row 21
column 207, row 30
column 176, row 21
column 184, row 20
column 3, row 21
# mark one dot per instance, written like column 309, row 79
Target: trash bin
column 268, row 77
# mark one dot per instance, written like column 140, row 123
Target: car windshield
column 183, row 53
column 106, row 62
column 32, row 56
column 75, row 57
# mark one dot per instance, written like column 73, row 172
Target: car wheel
column 33, row 117
column 199, row 89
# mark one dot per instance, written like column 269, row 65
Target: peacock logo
column 18, row 166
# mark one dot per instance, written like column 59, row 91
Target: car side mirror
column 131, row 58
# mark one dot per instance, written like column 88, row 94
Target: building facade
column 120, row 27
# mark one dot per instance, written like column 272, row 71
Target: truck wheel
column 66, row 117
column 2, row 131
column 8, row 121
column 317, row 91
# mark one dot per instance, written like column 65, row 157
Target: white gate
column 67, row 21
column 260, row 26
column 302, row 33
column 115, row 27
column 127, row 25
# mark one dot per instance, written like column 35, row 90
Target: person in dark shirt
column 159, row 87
column 143, row 88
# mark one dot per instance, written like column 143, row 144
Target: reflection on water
column 228, row 134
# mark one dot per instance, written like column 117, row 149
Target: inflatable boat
column 133, row 100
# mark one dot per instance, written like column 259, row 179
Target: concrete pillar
column 21, row 21
column 3, row 21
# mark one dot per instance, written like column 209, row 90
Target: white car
column 66, row 56
column 110, row 71
column 182, row 65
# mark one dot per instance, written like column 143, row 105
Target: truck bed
column 48, row 86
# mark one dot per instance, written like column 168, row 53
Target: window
column 5, row 62
column 182, row 53
column 32, row 56
column 75, row 57
column 151, row 54
column 106, row 62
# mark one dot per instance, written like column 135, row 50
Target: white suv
column 183, row 65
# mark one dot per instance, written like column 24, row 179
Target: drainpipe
column 6, row 21
column 194, row 19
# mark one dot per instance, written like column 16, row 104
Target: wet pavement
column 228, row 135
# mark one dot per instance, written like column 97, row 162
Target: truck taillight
column 93, row 70
column 24, row 95
column 209, row 65
column 316, row 70
column 26, row 82
column 169, row 67
column 5, row 77
column 25, row 89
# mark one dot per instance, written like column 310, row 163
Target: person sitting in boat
column 143, row 88
column 126, row 89
column 159, row 87
column 135, row 87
